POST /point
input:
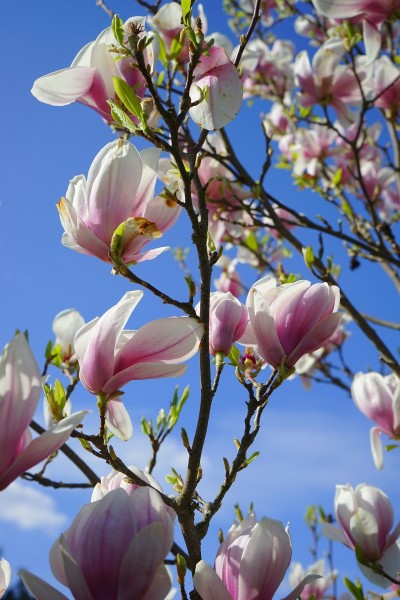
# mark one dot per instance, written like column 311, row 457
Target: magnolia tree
column 331, row 117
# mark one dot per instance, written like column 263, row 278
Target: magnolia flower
column 250, row 563
column 89, row 79
column 119, row 189
column 378, row 398
column 365, row 517
column 65, row 325
column 229, row 280
column 5, row 576
column 167, row 22
column 217, row 88
column 327, row 82
column 372, row 14
column 20, row 388
column 290, row 320
column 116, row 480
column 228, row 321
column 267, row 71
column 110, row 357
column 115, row 548
column 315, row 589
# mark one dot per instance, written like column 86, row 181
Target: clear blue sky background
column 311, row 440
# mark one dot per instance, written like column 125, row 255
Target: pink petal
column 171, row 340
column 268, row 343
column 150, row 158
column 296, row 593
column 372, row 40
column 75, row 578
column 143, row 371
column 39, row 588
column 112, row 183
column 376, row 447
column 64, row 86
column 77, row 235
column 265, row 560
column 146, row 553
column 159, row 587
column 220, row 80
column 118, row 419
column 315, row 338
column 163, row 212
column 142, row 256
column 41, row 447
column 20, row 389
column 208, row 584
column 97, row 359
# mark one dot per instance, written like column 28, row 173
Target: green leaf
column 390, row 447
column 175, row 48
column 355, row 589
column 146, row 426
column 128, row 97
column 252, row 457
column 48, row 351
column 251, row 241
column 337, row 178
column 121, row 118
column 186, row 11
column 234, row 356
column 308, row 255
column 117, row 27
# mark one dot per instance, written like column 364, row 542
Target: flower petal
column 219, row 81
column 112, row 183
column 96, row 355
column 77, row 235
column 143, row 371
column 170, row 340
column 20, row 389
column 39, row 588
column 41, row 447
column 208, row 584
column 118, row 419
column 376, row 447
column 64, row 86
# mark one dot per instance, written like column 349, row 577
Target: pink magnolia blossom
column 277, row 122
column 378, row 398
column 110, row 357
column 371, row 13
column 229, row 280
column 268, row 71
column 290, row 320
column 365, row 518
column 315, row 589
column 327, row 82
column 115, row 548
column 266, row 8
column 20, row 389
column 119, row 189
column 224, row 198
column 383, row 86
column 89, row 79
column 116, row 480
column 218, row 88
column 167, row 22
column 5, row 576
column 250, row 563
column 228, row 321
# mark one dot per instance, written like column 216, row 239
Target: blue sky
column 311, row 440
